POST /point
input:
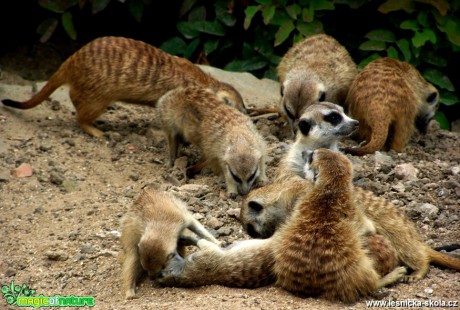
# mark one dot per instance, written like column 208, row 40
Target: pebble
column 196, row 190
column 56, row 256
column 234, row 212
column 24, row 170
column 225, row 231
column 406, row 172
column 10, row 272
column 214, row 223
column 422, row 210
column 4, row 175
column 69, row 185
column 87, row 249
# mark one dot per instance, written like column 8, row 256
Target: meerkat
column 315, row 69
column 321, row 125
column 229, row 142
column 390, row 98
column 284, row 258
column 150, row 232
column 265, row 209
column 108, row 69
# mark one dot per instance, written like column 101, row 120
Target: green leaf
column 449, row 98
column 68, row 25
column 410, row 24
column 223, row 15
column 246, row 65
column 354, row 4
column 422, row 18
column 283, row 32
column 392, row 52
column 438, row 78
column 441, row 118
column 197, row 14
column 268, row 14
column 214, row 27
column 250, row 12
column 420, row 38
column 210, row 46
column 319, row 5
column 367, row 60
column 99, row 5
column 46, row 29
column 452, row 29
column 433, row 58
column 280, row 18
column 308, row 29
column 308, row 14
column 404, row 47
column 381, row 35
column 264, row 2
column 293, row 10
column 57, row 6
column 136, row 8
column 396, row 5
column 372, row 45
column 188, row 30
column 186, row 6
column 174, row 46
column 191, row 48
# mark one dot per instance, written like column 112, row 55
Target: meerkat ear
column 255, row 206
column 432, row 98
column 322, row 96
column 305, row 126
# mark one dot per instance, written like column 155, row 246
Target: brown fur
column 150, row 233
column 265, row 209
column 319, row 251
column 108, row 69
column 229, row 142
column 389, row 98
column 316, row 69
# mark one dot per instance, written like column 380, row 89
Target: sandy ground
column 58, row 227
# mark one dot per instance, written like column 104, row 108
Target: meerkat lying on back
column 108, row 69
column 314, row 70
column 390, row 98
column 150, row 232
column 266, row 209
column 334, row 254
column 229, row 142
column 321, row 125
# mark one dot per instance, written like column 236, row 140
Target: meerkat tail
column 53, row 83
column 448, row 248
column 377, row 141
column 443, row 260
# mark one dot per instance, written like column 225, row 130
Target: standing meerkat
column 108, row 69
column 150, row 232
column 390, row 98
column 229, row 141
column 320, row 250
column 315, row 69
column 321, row 125
column 265, row 209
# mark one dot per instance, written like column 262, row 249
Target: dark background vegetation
column 252, row 36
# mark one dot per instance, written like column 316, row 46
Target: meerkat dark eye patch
column 288, row 113
column 305, row 126
column 432, row 98
column 307, row 156
column 334, row 118
column 252, row 176
column 322, row 96
column 237, row 179
column 255, row 206
column 282, row 90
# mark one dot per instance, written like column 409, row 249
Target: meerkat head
column 427, row 109
column 298, row 94
column 323, row 125
column 328, row 167
column 231, row 97
column 155, row 253
column 243, row 165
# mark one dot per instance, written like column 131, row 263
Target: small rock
column 10, row 272
column 39, row 210
column 225, row 231
column 4, row 175
column 214, row 223
column 382, row 159
column 57, row 256
column 455, row 170
column 24, row 170
column 234, row 212
column 56, row 177
column 428, row 290
column 69, row 185
column 181, row 163
column 115, row 234
column 422, row 210
column 55, row 105
column 196, row 190
column 172, row 180
column 134, row 177
column 406, row 172
column 198, row 216
column 398, row 187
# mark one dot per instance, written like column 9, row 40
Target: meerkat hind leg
column 395, row 276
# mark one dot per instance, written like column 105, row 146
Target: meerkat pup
column 265, row 209
column 320, row 250
column 390, row 98
column 229, row 142
column 108, row 69
column 150, row 232
column 316, row 69
column 321, row 125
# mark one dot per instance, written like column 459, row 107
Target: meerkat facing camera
column 150, row 232
column 108, row 69
column 229, row 141
column 315, row 69
column 390, row 98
